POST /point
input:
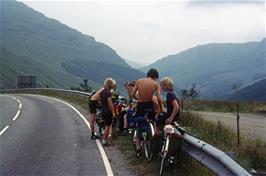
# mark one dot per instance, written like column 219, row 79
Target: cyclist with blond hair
column 108, row 112
column 172, row 104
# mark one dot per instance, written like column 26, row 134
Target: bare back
column 146, row 89
column 96, row 96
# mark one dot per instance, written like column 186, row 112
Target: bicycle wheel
column 147, row 149
column 147, row 143
column 164, row 155
column 162, row 168
column 136, row 148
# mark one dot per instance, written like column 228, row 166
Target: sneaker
column 94, row 136
column 104, row 142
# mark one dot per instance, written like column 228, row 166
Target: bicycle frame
column 169, row 132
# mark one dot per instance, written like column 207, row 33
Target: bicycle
column 172, row 137
column 143, row 133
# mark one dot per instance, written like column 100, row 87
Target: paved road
column 47, row 138
column 8, row 109
column 251, row 125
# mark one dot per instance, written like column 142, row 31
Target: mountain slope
column 33, row 44
column 256, row 91
column 215, row 68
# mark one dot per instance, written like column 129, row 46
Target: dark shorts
column 160, row 120
column 93, row 104
column 145, row 108
column 162, row 117
column 107, row 118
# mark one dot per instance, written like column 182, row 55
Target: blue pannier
column 131, row 118
column 142, row 124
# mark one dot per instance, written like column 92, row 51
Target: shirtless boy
column 146, row 88
column 93, row 103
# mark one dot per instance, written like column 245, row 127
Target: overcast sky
column 147, row 31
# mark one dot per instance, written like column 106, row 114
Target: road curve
column 8, row 110
column 48, row 138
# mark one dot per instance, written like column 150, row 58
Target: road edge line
column 19, row 107
column 16, row 116
column 4, row 130
column 102, row 152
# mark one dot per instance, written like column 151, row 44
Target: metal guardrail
column 37, row 90
column 214, row 159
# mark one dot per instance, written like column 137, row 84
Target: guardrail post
column 237, row 123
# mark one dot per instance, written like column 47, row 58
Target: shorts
column 144, row 108
column 161, row 119
column 107, row 118
column 93, row 104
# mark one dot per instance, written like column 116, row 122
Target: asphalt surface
column 47, row 138
column 8, row 109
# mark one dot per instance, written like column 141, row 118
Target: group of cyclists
column 144, row 100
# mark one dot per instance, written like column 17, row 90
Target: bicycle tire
column 162, row 168
column 147, row 144
column 147, row 149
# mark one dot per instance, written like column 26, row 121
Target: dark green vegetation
column 216, row 68
column 61, row 57
column 250, row 154
column 224, row 106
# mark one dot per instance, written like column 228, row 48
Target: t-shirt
column 169, row 98
column 104, row 95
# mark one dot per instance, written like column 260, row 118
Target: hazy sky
column 147, row 31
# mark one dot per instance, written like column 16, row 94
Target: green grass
column 185, row 166
column 250, row 154
column 224, row 106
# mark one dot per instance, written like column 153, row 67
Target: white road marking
column 16, row 116
column 4, row 130
column 19, row 110
column 12, row 97
column 20, row 106
column 104, row 156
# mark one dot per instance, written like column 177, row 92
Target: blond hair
column 168, row 83
column 109, row 83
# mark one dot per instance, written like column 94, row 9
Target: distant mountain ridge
column 32, row 44
column 215, row 68
column 255, row 91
